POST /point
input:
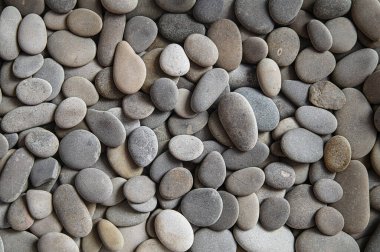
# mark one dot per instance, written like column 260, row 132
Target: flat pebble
column 122, row 162
column 117, row 194
column 249, row 209
column 110, row 235
column 254, row 49
column 312, row 66
column 143, row 146
column 33, row 91
column 71, row 50
column 122, row 215
column 185, row 147
column 44, row 171
column 353, row 69
column 245, row 181
column 139, row 189
column 140, row 32
column 164, row 94
column 176, row 183
column 145, row 207
column 259, row 239
column 201, row 50
column 18, row 215
column 337, row 154
column 327, row 95
column 319, row 35
column 274, row 212
column 162, row 164
column 119, row 7
column 327, row 191
column 39, row 203
column 226, row 36
column 303, row 206
column 74, row 217
column 84, row 22
column 202, row 207
column 25, row 8
column 355, row 123
column 137, row 105
column 318, row 171
column 183, row 105
column 10, row 19
column 317, row 120
column 173, row 61
column 133, row 236
column 284, row 12
column 354, row 205
column 79, row 149
column 177, row 27
column 26, row 65
column 269, row 76
column 4, row 146
column 61, row 6
column 129, row 75
column 324, row 9
column 21, row 241
column 283, row 46
column 70, row 112
column 254, row 16
column 208, row 240
column 230, row 212
column 206, row 11
column 363, row 13
column 152, row 245
column 173, row 230
column 212, row 171
column 42, row 144
column 279, row 175
column 343, row 33
column 55, row 21
column 55, row 241
column 93, row 185
column 52, row 72
column 105, row 85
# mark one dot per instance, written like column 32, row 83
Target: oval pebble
column 39, row 203
column 70, row 112
column 61, row 6
column 208, row 240
column 33, row 91
column 202, row 207
column 185, row 147
column 162, row 164
column 122, row 215
column 370, row 88
column 71, row 50
column 302, row 145
column 327, row 191
column 174, row 230
column 279, row 175
column 42, row 144
column 18, row 215
column 84, row 22
column 230, row 212
column 152, row 245
column 327, row 9
column 327, row 95
column 25, row 66
column 55, row 241
column 137, row 105
column 173, row 61
column 93, row 185
column 110, row 235
column 119, row 7
column 274, row 212
column 206, row 11
column 25, row 8
column 180, row 126
column 283, row 46
column 79, row 149
column 201, row 50
column 318, row 171
column 254, row 50
column 4, row 146
column 106, row 86
column 245, row 181
column 254, row 15
column 319, row 35
column 32, row 35
column 175, row 5
column 337, row 154
column 176, row 183
column 317, row 120
column 183, row 105
column 312, row 66
column 343, row 33
column 74, row 217
column 284, row 12
column 143, row 146
column 10, row 19
column 140, row 32
column 139, row 189
column 164, row 94
column 363, row 13
column 269, row 76
column 212, row 171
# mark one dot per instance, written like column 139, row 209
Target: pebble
column 208, row 240
column 82, row 88
column 173, row 61
column 26, row 65
column 105, row 85
column 254, row 50
column 55, row 241
column 371, row 89
column 201, row 207
column 242, row 76
column 110, row 235
column 25, row 8
column 146, row 8
column 269, row 76
column 129, row 70
column 106, row 127
column 362, row 14
column 173, row 230
column 274, row 212
column 42, row 144
column 142, row 146
column 319, row 35
column 324, row 9
column 355, row 123
column 259, row 239
column 302, row 146
column 61, row 6
column 139, row 189
column 93, row 185
column 117, row 194
column 10, row 19
column 327, row 95
column 284, row 12
column 44, row 171
column 337, row 154
column 84, row 22
column 39, row 203
column 140, row 32
column 212, row 171
column 312, row 66
column 317, row 120
column 4, row 146
column 279, row 175
column 79, row 149
column 354, row 205
column 374, row 156
column 230, row 212
column 31, row 34
column 145, row 207
column 46, row 225
column 70, row 112
column 162, row 164
column 329, row 221
column 318, row 171
column 374, row 198
column 133, row 236
column 226, row 36
column 12, row 140
column 313, row 241
column 55, row 21
column 185, row 147
column 164, row 94
column 201, row 50
column 283, row 46
column 71, row 50
column 119, row 7
column 343, row 33
column 217, row 130
column 18, row 241
column 254, row 16
column 327, row 191
column 303, row 206
column 209, row 146
column 3, row 215
column 14, row 175
column 74, row 217
column 33, row 91
column 177, row 27
column 183, row 105
column 296, row 91
column 122, row 215
column 245, row 181
column 137, row 105
column 249, row 208
column 18, row 215
column 208, row 11
column 176, row 183
column 8, row 82
column 284, row 126
column 208, row 89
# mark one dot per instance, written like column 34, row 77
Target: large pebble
column 173, row 230
column 327, row 95
column 140, row 32
column 44, row 171
column 269, row 76
column 71, row 50
column 327, row 9
column 105, row 85
column 318, row 171
column 303, row 206
column 337, row 154
column 283, row 46
column 176, row 183
column 33, row 91
column 354, row 205
column 254, row 15
column 32, row 35
column 119, row 7
column 370, row 88
column 312, row 66
column 212, row 171
column 317, row 120
column 4, row 146
column 296, row 91
column 259, row 239
column 284, row 12
column 365, row 12
column 25, row 8
column 129, row 70
column 201, row 50
column 173, row 61
column 18, row 241
column 79, row 149
column 327, row 191
column 302, row 145
column 70, row 112
column 82, row 88
column 142, row 146
column 183, row 105
column 10, row 19
column 245, row 181
column 249, row 209
column 185, row 147
column 274, row 212
column 84, row 22
column 74, row 216
column 55, row 241
column 353, row 69
column 343, row 33
column 110, row 235
column 319, row 35
column 93, row 185
column 162, row 164
column 202, row 207
column 208, row 240
column 279, row 175
column 180, row 126
column 42, row 144
column 206, row 11
column 355, row 123
column 226, row 36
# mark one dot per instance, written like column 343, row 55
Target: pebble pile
column 189, row 125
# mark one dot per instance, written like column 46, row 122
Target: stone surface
column 201, row 50
column 274, row 212
column 175, row 183
column 32, row 35
column 139, row 189
column 284, row 12
column 208, row 240
column 162, row 164
column 56, row 242
column 110, row 235
column 137, row 105
column 296, row 91
column 343, row 33
column 254, row 49
column 319, row 35
column 173, row 61
column 245, row 181
column 185, row 147
column 140, row 32
column 80, row 87
column 337, row 154
column 254, row 16
column 327, row 95
column 212, row 171
column 106, row 86
column 371, row 89
column 327, row 191
column 70, row 112
column 142, row 146
column 18, row 215
column 317, row 120
column 61, row 6
column 329, row 221
column 279, row 175
column 93, row 185
column 119, row 7
column 249, row 208
column 269, row 76
column 318, row 171
column 39, row 203
column 4, row 146
column 164, row 94
column 21, row 241
column 230, row 212
column 84, row 22
column 10, row 19
column 33, row 91
column 26, row 65
column 283, row 46
column 44, row 171
column 122, row 215
column 363, row 13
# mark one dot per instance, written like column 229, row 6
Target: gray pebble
column 105, row 85
column 254, row 50
column 168, row 204
column 229, row 214
column 208, row 240
column 327, row 95
column 137, row 105
column 319, row 35
column 84, row 22
column 327, row 191
column 42, row 144
column 39, row 203
column 208, row 147
column 146, row 8
column 122, row 215
column 80, row 87
column 70, row 112
column 12, row 139
column 8, row 82
column 175, row 5
column 245, row 181
column 93, row 185
column 164, row 94
column 201, row 50
column 206, row 11
column 140, row 32
column 56, row 241
column 249, row 208
column 296, row 92
column 25, row 66
column 142, row 146
column 284, row 12
column 19, row 241
column 176, row 183
column 4, row 146
column 174, row 61
column 25, row 8
column 343, row 33
column 327, row 9
column 18, row 215
column 139, row 189
column 129, row 124
column 274, row 212
column 53, row 73
column 185, row 147
column 254, row 16
column 44, row 171
column 283, row 46
column 212, row 171
column 370, row 88
column 119, row 7
column 279, row 175
column 61, row 6
column 117, row 194
column 285, row 107
column 145, row 207
column 10, row 19
column 162, row 164
column 33, row 91
column 243, row 76
column 317, row 120
column 329, row 221
column 319, row 171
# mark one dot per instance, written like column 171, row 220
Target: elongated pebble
column 110, row 235
column 32, row 34
column 25, row 66
column 10, row 19
column 317, row 120
column 142, row 146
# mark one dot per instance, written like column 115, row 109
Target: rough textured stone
column 327, row 95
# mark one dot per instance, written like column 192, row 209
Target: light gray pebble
column 249, row 209
column 25, row 66
column 105, row 85
column 129, row 124
column 80, row 87
column 208, row 240
column 283, row 46
column 143, row 146
column 180, row 126
column 176, row 183
column 33, row 91
column 185, row 147
column 12, row 139
column 284, row 12
column 93, row 185
column 139, row 189
column 162, row 164
column 254, row 16
column 156, row 119
column 145, row 207
column 39, row 203
column 296, row 91
column 319, row 35
column 42, row 144
column 279, row 175
column 327, row 191
column 137, row 105
column 70, row 112
column 4, row 146
column 229, row 214
column 21, row 241
column 317, row 120
column 10, row 19
column 245, row 181
column 274, row 212
column 56, row 241
column 173, row 61
column 122, row 215
column 140, row 32
column 318, row 171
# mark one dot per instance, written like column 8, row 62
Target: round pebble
column 110, row 235
column 33, row 91
column 42, row 144
column 143, row 146
column 84, row 22
column 137, row 105
column 319, row 35
column 254, row 16
column 245, row 181
column 55, row 241
column 279, row 175
column 269, row 76
column 327, row 95
column 185, row 147
column 70, row 112
column 201, row 50
column 164, row 94
column 176, row 183
column 337, row 154
column 25, row 65
column 317, row 120
column 274, row 212
column 93, row 185
column 212, row 171
column 329, row 221
column 173, row 60
column 374, row 198
column 139, row 189
column 283, row 46
column 327, row 191
column 254, row 50
column 140, row 32
column 206, row 11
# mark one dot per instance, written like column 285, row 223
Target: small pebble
column 317, row 120
column 185, row 147
column 327, row 95
column 42, row 144
column 176, row 183
column 230, row 212
column 279, row 175
column 269, row 76
column 137, row 105
column 327, row 191
column 70, row 112
column 139, row 189
column 212, row 171
column 337, row 154
column 10, row 19
column 254, row 16
column 110, row 235
column 39, row 203
column 164, row 94
column 329, row 221
column 320, row 36
column 249, row 210
column 208, row 240
column 119, row 7
column 284, row 12
column 54, row 241
column 254, row 49
column 93, row 185
column 274, row 212
column 84, row 22
column 142, row 146
column 140, row 32
column 283, row 46
column 201, row 50
column 173, row 61
column 25, row 65
column 245, row 181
